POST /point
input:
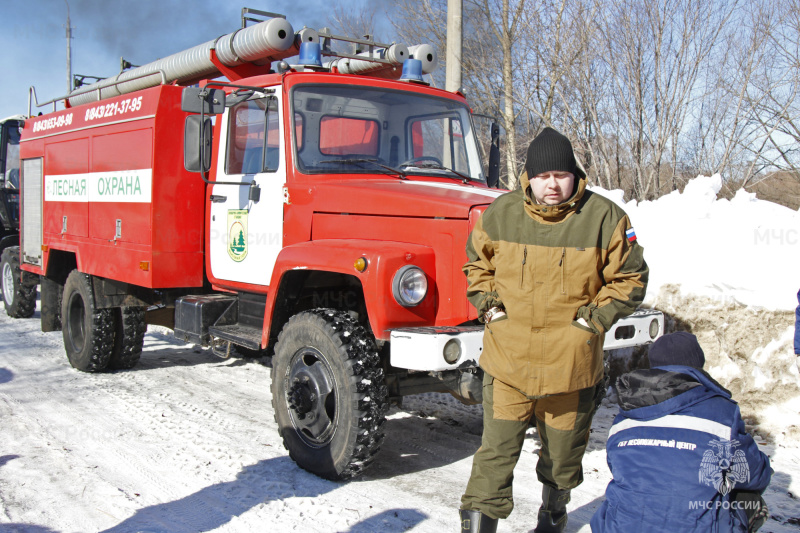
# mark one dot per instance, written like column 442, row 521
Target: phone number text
column 114, row 108
column 52, row 122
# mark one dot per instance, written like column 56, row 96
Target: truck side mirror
column 493, row 180
column 203, row 100
column 196, row 147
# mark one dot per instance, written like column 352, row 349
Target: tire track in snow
column 78, row 425
column 205, row 436
column 82, row 424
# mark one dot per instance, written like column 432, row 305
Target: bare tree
column 776, row 93
column 725, row 134
column 655, row 54
column 503, row 19
column 355, row 23
column 591, row 111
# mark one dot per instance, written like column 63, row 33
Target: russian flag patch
column 631, row 235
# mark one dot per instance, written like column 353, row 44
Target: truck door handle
column 217, row 199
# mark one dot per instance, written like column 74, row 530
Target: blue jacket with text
column 677, row 449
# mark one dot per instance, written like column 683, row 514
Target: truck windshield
column 348, row 129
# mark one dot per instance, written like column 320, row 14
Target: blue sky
column 33, row 37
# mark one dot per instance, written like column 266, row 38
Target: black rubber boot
column 477, row 522
column 553, row 512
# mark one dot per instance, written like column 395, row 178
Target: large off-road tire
column 129, row 330
column 88, row 332
column 18, row 287
column 328, row 393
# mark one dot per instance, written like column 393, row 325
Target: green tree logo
column 237, row 234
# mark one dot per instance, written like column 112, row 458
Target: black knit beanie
column 549, row 151
column 679, row 348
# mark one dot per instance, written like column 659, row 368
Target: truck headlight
column 409, row 286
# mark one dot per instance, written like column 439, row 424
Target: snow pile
column 727, row 270
column 742, row 250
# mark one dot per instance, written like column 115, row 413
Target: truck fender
column 383, row 259
column 9, row 240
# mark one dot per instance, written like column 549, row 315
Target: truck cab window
column 253, row 137
column 11, row 177
column 440, row 139
column 348, row 136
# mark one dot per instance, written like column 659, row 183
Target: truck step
column 251, row 309
column 239, row 334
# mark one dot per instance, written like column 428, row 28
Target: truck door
column 247, row 235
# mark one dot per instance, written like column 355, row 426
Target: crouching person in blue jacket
column 678, row 451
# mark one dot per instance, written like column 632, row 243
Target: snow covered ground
column 186, row 441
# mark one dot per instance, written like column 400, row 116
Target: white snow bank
column 742, row 250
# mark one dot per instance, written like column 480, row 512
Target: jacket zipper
column 522, row 272
column 563, row 267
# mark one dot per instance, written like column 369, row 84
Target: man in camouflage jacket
column 550, row 267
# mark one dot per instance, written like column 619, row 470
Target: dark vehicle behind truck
column 18, row 288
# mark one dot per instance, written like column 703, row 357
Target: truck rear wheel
column 19, row 292
column 129, row 329
column 88, row 332
column 328, row 393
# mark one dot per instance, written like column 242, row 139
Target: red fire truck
column 315, row 213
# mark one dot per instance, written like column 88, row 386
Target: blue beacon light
column 310, row 55
column 412, row 71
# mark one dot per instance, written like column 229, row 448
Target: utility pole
column 452, row 79
column 453, row 56
column 69, row 51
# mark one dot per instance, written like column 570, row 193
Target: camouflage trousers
column 562, row 421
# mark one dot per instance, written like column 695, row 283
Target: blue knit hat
column 679, row 348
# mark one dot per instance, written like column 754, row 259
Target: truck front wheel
column 19, row 293
column 88, row 332
column 328, row 393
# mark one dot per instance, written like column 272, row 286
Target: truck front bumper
column 435, row 349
